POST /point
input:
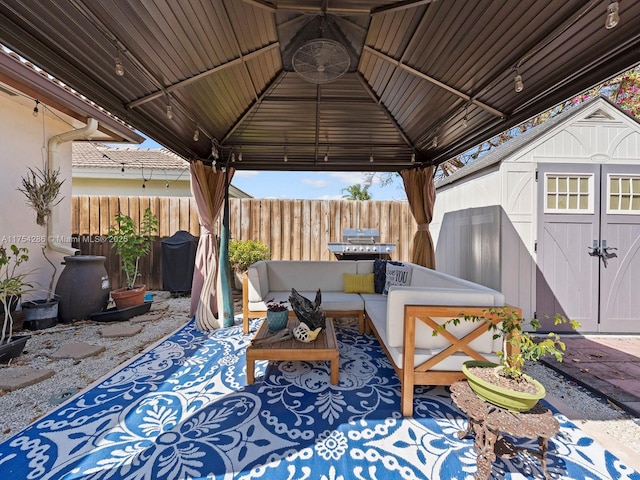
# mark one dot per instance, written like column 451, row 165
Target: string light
column 413, row 157
column 118, row 68
column 166, row 185
column 240, row 157
column 370, row 158
column 196, row 134
column 434, row 144
column 169, row 111
column 35, row 109
column 233, row 156
column 214, row 150
column 286, row 159
column 122, row 170
column 465, row 119
column 612, row 16
column 517, row 82
column 326, row 157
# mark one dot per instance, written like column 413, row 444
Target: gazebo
column 337, row 85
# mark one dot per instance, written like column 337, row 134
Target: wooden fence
column 293, row 229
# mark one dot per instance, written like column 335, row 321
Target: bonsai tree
column 132, row 243
column 12, row 285
column 518, row 346
column 41, row 187
column 243, row 253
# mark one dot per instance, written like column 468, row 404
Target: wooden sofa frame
column 423, row 374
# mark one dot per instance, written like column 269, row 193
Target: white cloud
column 318, row 183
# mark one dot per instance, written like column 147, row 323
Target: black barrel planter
column 83, row 287
column 40, row 314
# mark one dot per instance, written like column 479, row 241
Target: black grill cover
column 178, row 260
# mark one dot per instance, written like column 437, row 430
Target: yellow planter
column 503, row 397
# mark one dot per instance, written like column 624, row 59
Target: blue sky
column 307, row 185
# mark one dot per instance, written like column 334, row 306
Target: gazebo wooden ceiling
column 426, row 80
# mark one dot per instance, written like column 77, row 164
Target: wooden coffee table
column 324, row 347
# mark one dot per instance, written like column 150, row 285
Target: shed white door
column 589, row 246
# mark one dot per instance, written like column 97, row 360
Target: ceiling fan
column 321, row 61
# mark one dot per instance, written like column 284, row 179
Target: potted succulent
column 244, row 253
column 12, row 285
column 132, row 243
column 505, row 384
column 41, row 187
column 277, row 315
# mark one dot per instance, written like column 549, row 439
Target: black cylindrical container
column 83, row 287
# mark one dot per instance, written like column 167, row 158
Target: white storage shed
column 552, row 219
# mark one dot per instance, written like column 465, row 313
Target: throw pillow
column 354, row 283
column 397, row 275
column 380, row 273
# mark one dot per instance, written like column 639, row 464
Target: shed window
column 568, row 193
column 624, row 194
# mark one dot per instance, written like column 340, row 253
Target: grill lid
column 361, row 236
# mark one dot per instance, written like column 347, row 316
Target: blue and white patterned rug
column 183, row 411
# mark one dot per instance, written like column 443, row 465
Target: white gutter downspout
column 54, row 142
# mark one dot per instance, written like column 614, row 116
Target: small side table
column 488, row 422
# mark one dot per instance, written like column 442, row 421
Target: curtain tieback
column 423, row 227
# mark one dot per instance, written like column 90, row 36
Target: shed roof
column 416, row 69
column 508, row 148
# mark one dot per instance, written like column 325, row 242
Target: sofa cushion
column 336, row 301
column 308, row 275
column 400, row 296
column 354, row 283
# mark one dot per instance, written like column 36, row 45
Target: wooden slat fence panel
column 293, row 229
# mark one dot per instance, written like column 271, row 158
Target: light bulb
column 122, row 170
column 169, row 111
column 144, row 184
column 434, row 144
column 240, row 157
column 370, row 158
column 465, row 122
column 35, row 109
column 118, row 67
column 612, row 15
column 413, row 157
column 166, row 185
column 286, row 159
column 517, row 83
column 326, row 157
column 196, row 135
column 233, row 156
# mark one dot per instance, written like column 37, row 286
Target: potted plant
column 277, row 315
column 12, row 286
column 504, row 384
column 244, row 253
column 41, row 187
column 132, row 243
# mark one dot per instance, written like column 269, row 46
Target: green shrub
column 243, row 253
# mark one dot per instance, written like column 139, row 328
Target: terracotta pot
column 503, row 397
column 126, row 298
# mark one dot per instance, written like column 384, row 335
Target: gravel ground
column 612, row 427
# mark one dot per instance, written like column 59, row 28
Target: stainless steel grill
column 360, row 244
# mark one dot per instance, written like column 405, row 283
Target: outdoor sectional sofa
column 403, row 320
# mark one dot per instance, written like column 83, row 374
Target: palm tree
column 356, row 192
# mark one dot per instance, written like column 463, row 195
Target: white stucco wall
column 132, row 187
column 23, row 142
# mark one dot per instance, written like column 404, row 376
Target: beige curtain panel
column 421, row 194
column 207, row 187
